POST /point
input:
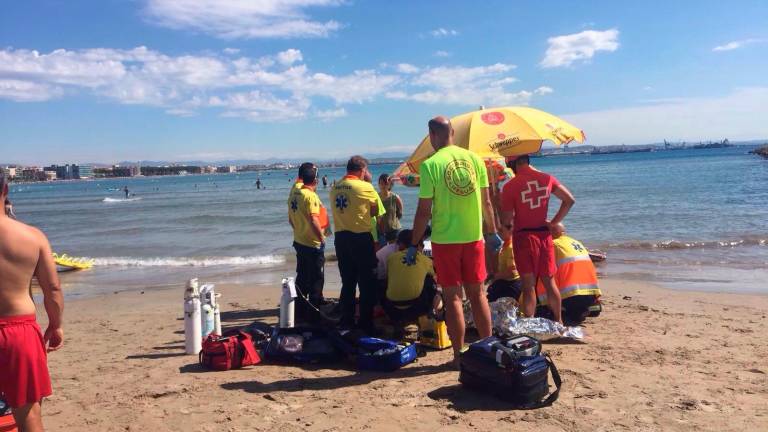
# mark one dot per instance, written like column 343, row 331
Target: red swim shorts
column 24, row 375
column 458, row 264
column 534, row 253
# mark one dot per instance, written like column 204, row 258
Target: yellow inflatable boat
column 66, row 263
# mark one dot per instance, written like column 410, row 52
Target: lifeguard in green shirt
column 453, row 192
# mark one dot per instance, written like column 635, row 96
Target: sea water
column 688, row 219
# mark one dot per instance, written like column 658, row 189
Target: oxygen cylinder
column 208, row 294
column 287, row 304
column 217, row 316
column 190, row 290
column 206, row 320
column 193, row 337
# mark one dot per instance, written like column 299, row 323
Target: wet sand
column 654, row 360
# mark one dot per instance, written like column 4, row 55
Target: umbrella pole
column 491, row 257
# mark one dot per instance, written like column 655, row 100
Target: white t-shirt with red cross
column 527, row 194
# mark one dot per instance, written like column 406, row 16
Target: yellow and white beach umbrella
column 495, row 133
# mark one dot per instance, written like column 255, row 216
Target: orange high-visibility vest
column 576, row 274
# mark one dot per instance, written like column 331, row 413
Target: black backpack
column 512, row 369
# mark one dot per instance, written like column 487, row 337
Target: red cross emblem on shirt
column 534, row 195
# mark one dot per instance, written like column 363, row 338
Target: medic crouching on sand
column 576, row 279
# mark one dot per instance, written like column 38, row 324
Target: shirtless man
column 24, row 379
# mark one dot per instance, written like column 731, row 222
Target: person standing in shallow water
column 453, row 193
column 325, row 181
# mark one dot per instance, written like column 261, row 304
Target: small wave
column 678, row 244
column 205, row 219
column 117, row 200
column 188, row 262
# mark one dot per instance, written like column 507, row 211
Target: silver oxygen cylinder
column 206, row 319
column 288, row 304
column 217, row 317
column 193, row 338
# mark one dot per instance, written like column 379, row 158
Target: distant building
column 123, row 171
column 209, row 169
column 49, row 176
column 32, row 174
column 227, row 169
column 84, row 171
column 71, row 171
column 9, row 171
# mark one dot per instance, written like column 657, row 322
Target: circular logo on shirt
column 460, row 177
column 492, row 118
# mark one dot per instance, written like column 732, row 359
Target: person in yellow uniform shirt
column 355, row 202
column 411, row 290
column 506, row 281
column 576, row 279
column 296, row 186
column 304, row 215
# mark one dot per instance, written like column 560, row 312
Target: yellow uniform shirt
column 296, row 186
column 568, row 247
column 352, row 199
column 304, row 202
column 405, row 282
column 507, row 261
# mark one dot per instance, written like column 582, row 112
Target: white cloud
column 231, row 51
column 407, row 68
column 25, row 91
column 262, row 89
column 441, row 53
column 504, row 81
column 261, row 106
column 181, row 112
column 243, row 19
column 443, row 32
column 277, row 87
column 329, row 115
column 465, row 97
column 737, row 116
column 461, row 85
column 358, row 87
column 738, row 44
column 460, row 76
column 289, row 56
column 567, row 49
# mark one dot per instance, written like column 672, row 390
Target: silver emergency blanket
column 507, row 321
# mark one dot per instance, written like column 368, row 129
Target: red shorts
column 458, row 264
column 24, row 375
column 534, row 253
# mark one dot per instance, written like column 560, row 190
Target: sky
column 112, row 80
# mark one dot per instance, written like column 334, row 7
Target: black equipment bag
column 512, row 369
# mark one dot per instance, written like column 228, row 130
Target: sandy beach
column 654, row 360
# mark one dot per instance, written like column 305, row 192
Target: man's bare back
column 24, row 253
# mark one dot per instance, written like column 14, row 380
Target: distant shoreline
column 548, row 152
